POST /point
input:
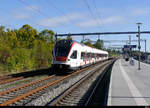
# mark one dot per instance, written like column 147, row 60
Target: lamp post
column 139, row 46
column 130, row 48
column 145, row 50
column 98, row 37
column 56, row 37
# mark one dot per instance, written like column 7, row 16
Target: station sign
column 129, row 46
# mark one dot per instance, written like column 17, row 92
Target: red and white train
column 69, row 54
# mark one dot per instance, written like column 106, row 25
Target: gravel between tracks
column 79, row 95
column 51, row 93
column 13, row 84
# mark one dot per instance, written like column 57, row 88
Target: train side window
column 98, row 56
column 74, row 55
column 101, row 55
column 82, row 55
column 88, row 56
column 92, row 55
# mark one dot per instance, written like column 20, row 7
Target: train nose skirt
column 61, row 66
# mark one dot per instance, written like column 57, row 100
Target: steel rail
column 10, row 80
column 4, row 77
column 77, row 84
column 23, row 96
column 96, row 86
column 25, row 85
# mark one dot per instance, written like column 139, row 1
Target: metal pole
column 98, row 37
column 145, row 50
column 56, row 36
column 129, row 40
column 130, row 44
column 83, row 37
column 139, row 46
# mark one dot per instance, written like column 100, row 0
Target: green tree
column 47, row 35
column 26, row 34
column 2, row 30
column 88, row 43
column 99, row 44
column 12, row 37
column 69, row 37
column 25, row 49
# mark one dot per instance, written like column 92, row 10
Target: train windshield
column 63, row 47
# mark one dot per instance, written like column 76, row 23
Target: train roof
column 71, row 41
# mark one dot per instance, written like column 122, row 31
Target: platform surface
column 128, row 85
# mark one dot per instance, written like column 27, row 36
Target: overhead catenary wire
column 59, row 10
column 35, row 9
column 38, row 11
column 10, row 25
column 55, row 7
column 98, row 14
column 91, row 13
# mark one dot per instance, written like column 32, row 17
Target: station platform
column 128, row 85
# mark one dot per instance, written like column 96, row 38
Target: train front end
column 61, row 51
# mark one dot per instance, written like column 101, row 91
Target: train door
column 73, row 58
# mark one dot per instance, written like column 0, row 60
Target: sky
column 80, row 16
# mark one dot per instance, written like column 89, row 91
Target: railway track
column 25, row 93
column 19, row 76
column 4, row 77
column 78, row 94
column 99, row 94
column 15, row 92
column 9, row 79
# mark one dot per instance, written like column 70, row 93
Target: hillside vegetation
column 27, row 49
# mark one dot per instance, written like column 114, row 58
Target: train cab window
column 62, row 48
column 74, row 55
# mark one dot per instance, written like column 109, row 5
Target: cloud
column 105, row 21
column 22, row 16
column 59, row 20
column 32, row 7
column 25, row 12
column 140, row 11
